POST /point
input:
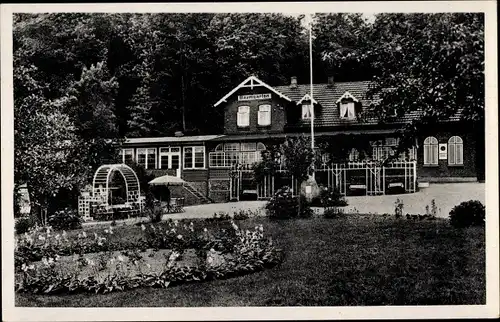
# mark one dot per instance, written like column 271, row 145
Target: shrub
column 219, row 216
column 155, row 213
column 67, row 219
column 329, row 197
column 333, row 212
column 245, row 214
column 398, row 208
column 23, row 224
column 283, row 205
column 468, row 213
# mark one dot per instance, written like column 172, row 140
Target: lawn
column 355, row 260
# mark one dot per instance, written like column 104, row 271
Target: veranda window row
column 193, row 157
column 222, row 159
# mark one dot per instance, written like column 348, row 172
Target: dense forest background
column 81, row 79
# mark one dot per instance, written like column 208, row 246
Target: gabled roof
column 252, row 82
column 306, row 97
column 328, row 94
column 346, row 95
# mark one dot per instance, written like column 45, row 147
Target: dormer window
column 243, row 119
column 347, row 110
column 306, row 111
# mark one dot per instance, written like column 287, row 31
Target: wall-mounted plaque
column 443, row 151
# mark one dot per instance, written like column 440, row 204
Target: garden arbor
column 101, row 188
column 103, row 175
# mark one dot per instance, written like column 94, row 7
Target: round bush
column 66, row 219
column 283, row 205
column 468, row 213
column 23, row 224
column 329, row 197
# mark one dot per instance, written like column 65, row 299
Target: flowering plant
column 228, row 252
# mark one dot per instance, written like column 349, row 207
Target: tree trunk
column 299, row 194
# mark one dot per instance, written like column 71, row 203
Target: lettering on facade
column 254, row 97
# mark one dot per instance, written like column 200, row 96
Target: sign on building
column 254, row 97
column 443, row 151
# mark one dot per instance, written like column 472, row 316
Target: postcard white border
column 491, row 309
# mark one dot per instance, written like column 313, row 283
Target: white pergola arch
column 102, row 176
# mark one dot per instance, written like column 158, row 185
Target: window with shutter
column 430, row 151
column 455, row 151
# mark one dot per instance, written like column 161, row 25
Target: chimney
column 330, row 81
column 293, row 82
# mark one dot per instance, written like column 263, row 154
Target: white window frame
column 243, row 116
column 456, row 143
column 431, row 151
column 123, row 154
column 147, row 150
column 353, row 155
column 306, row 111
column 167, row 151
column 347, row 111
column 193, row 153
column 264, row 115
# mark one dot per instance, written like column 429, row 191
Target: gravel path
column 446, row 195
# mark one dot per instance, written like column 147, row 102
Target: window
column 248, row 146
column 347, row 111
column 128, row 156
column 147, row 158
column 219, row 147
column 455, row 151
column 261, row 146
column 306, row 111
column 194, row 157
column 231, row 147
column 243, row 118
column 354, row 155
column 381, row 153
column 430, row 151
column 170, row 158
column 264, row 115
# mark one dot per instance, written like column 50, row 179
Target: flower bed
column 168, row 253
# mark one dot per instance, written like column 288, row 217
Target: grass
column 348, row 261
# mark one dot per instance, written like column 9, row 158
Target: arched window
column 261, row 146
column 455, row 151
column 219, row 147
column 430, row 151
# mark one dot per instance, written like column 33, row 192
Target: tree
column 47, row 151
column 299, row 158
column 340, row 41
column 428, row 63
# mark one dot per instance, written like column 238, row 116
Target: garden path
column 447, row 195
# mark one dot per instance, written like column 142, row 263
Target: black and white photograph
column 218, row 156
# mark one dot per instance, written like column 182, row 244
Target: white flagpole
column 311, row 92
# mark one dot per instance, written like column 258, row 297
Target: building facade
column 257, row 115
